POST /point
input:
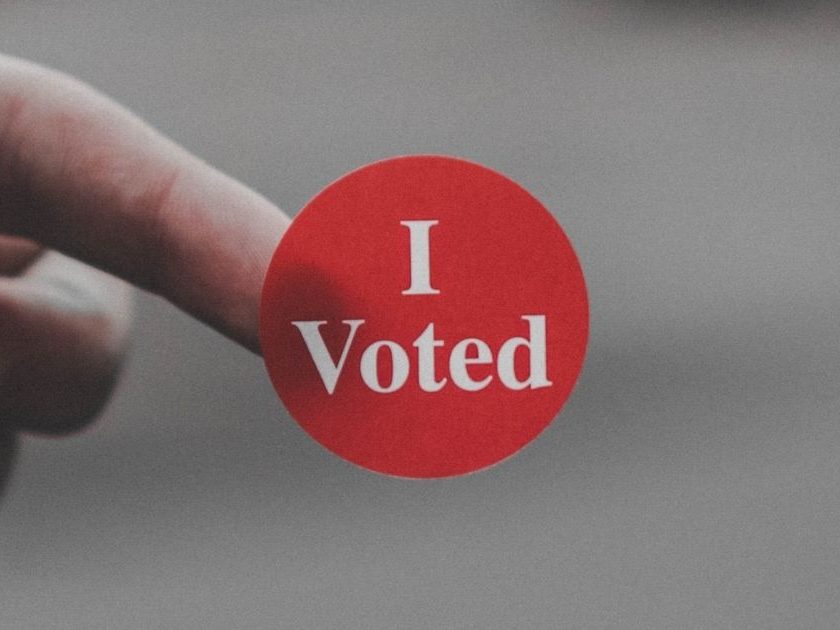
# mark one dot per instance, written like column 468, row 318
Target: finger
column 80, row 174
column 62, row 340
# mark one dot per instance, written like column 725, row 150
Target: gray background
column 690, row 150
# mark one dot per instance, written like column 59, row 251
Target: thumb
column 80, row 174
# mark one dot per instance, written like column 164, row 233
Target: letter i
column 421, row 283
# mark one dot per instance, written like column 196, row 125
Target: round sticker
column 424, row 316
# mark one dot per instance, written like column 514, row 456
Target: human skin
column 93, row 198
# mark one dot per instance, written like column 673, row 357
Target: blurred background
column 690, row 150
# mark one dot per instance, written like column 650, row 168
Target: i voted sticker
column 424, row 316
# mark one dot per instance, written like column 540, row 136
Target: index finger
column 81, row 174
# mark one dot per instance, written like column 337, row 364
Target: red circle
column 503, row 268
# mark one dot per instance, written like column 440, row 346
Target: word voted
column 465, row 353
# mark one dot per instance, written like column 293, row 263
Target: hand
column 81, row 175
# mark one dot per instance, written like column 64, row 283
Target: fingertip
column 16, row 254
column 8, row 450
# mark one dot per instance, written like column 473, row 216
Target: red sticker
column 424, row 316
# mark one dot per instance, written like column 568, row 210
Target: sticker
column 424, row 316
